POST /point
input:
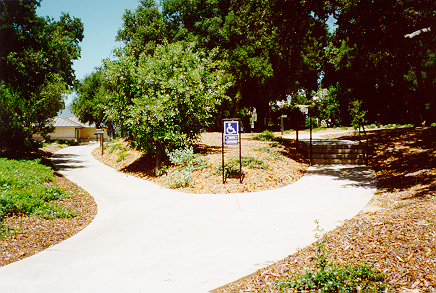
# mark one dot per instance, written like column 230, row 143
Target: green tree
column 36, row 58
column 271, row 46
column 177, row 91
column 143, row 29
column 370, row 56
column 89, row 104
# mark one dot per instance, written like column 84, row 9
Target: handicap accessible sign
column 231, row 132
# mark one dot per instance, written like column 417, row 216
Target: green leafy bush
column 187, row 160
column 179, row 179
column 122, row 154
column 266, row 135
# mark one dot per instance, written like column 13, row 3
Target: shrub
column 179, row 179
column 187, row 160
column 266, row 135
column 274, row 155
column 122, row 154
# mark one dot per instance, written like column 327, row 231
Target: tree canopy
column 268, row 51
column 36, row 58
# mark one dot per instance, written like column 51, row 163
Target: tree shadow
column 403, row 159
column 64, row 162
column 357, row 176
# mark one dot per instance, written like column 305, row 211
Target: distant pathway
column 149, row 239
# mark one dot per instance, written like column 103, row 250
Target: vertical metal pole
column 310, row 123
column 222, row 140
column 101, row 143
column 298, row 149
column 240, row 158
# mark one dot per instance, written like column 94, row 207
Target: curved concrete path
column 149, row 239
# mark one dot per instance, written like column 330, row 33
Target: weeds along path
column 146, row 238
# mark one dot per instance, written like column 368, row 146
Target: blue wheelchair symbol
column 231, row 128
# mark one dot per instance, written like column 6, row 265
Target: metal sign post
column 100, row 133
column 231, row 135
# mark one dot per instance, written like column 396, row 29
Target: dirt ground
column 398, row 238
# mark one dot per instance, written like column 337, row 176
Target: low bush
column 266, row 135
column 231, row 170
column 179, row 179
column 252, row 162
column 188, row 162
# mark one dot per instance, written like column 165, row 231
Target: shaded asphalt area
column 149, row 239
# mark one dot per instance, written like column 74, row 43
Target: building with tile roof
column 70, row 128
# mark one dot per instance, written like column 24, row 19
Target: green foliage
column 188, row 162
column 357, row 115
column 166, row 98
column 266, row 135
column 251, row 162
column 394, row 76
column 327, row 106
column 36, row 59
column 89, row 105
column 329, row 277
column 179, row 179
column 122, row 154
column 25, row 188
column 231, row 170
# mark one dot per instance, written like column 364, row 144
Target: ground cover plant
column 396, row 233
column 326, row 276
column 27, row 188
column 38, row 205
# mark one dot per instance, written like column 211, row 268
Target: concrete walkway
column 149, row 239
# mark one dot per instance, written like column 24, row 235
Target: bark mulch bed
column 32, row 234
column 285, row 166
column 400, row 237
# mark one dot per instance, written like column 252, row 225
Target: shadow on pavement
column 358, row 176
column 62, row 162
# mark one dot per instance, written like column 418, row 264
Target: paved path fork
column 149, row 239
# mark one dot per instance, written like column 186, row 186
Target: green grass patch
column 26, row 188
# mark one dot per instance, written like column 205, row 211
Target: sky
column 101, row 18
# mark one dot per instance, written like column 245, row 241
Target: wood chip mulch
column 284, row 169
column 33, row 234
column 399, row 238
